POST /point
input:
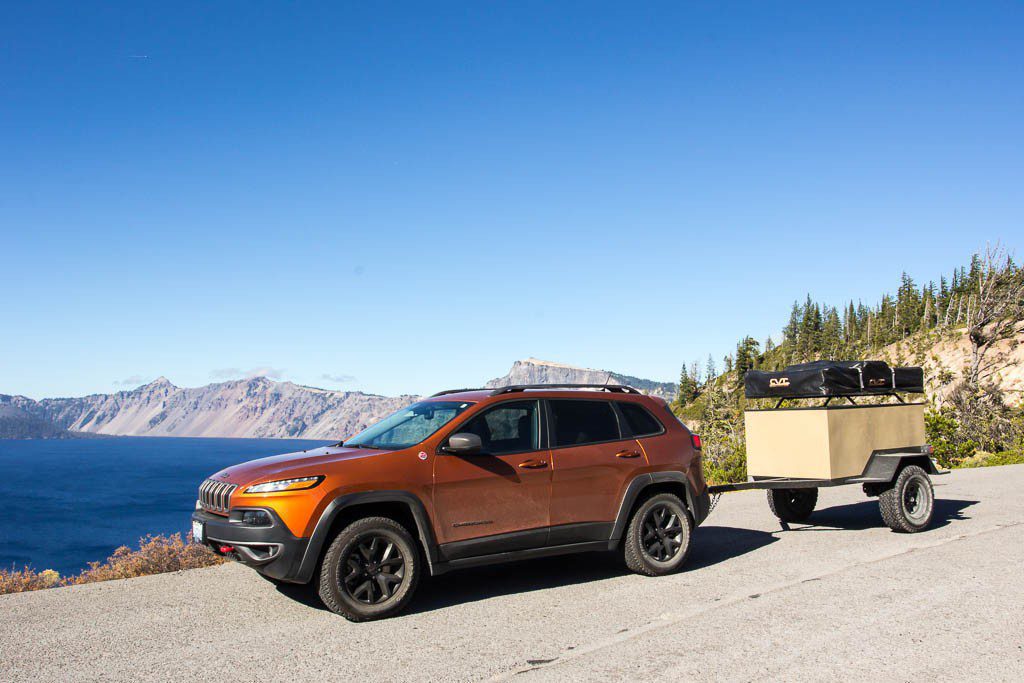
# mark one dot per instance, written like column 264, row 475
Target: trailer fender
column 884, row 466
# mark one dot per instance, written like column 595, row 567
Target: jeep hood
column 291, row 465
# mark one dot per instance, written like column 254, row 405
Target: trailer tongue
column 792, row 452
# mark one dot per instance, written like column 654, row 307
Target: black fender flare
column 319, row 537
column 883, row 466
column 698, row 505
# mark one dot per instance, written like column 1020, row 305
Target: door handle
column 533, row 464
column 627, row 454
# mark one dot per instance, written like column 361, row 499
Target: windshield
column 408, row 426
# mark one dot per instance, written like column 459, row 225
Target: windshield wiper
column 363, row 445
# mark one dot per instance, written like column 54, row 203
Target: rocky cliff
column 533, row 371
column 18, row 423
column 945, row 356
column 250, row 408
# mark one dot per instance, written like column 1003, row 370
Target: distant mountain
column 256, row 408
column 533, row 371
column 249, row 408
column 16, row 423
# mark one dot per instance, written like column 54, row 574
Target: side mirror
column 464, row 443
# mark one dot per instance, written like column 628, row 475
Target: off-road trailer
column 792, row 452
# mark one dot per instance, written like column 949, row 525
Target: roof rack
column 616, row 388
column 457, row 391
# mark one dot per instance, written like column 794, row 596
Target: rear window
column 581, row 422
column 639, row 421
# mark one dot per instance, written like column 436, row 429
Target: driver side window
column 512, row 427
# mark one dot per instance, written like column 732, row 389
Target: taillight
column 695, row 440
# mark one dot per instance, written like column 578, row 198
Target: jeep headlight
column 285, row 485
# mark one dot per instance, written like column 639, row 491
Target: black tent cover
column 833, row 378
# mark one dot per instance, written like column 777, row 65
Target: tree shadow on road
column 481, row 583
column 711, row 545
column 714, row 544
column 865, row 515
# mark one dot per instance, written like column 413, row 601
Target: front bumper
column 270, row 550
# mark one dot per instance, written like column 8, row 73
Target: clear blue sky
column 409, row 198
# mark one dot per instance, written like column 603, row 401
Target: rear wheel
column 370, row 570
column 909, row 504
column 658, row 536
column 792, row 505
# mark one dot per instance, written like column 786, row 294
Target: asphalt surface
column 842, row 598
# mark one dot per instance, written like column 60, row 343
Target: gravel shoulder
column 839, row 598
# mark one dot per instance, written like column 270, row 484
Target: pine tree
column 928, row 307
column 908, row 308
column 831, row 335
column 746, row 356
column 942, row 303
column 850, row 325
column 809, row 342
column 689, row 387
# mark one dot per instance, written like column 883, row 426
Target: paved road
column 843, row 598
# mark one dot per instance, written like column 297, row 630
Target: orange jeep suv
column 464, row 478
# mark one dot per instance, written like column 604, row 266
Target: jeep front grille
column 215, row 496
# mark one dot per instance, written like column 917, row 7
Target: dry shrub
column 27, row 579
column 155, row 555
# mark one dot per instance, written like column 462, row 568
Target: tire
column 658, row 536
column 908, row 505
column 370, row 570
column 792, row 505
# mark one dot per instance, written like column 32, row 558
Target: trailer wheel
column 909, row 503
column 792, row 505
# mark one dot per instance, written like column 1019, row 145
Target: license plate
column 197, row 531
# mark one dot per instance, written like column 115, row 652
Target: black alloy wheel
column 370, row 570
column 662, row 533
column 375, row 570
column 657, row 538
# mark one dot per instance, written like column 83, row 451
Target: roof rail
column 617, row 388
column 456, row 391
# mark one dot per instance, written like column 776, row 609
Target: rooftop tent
column 833, row 378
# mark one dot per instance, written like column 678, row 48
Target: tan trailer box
column 828, row 442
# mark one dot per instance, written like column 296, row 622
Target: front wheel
column 370, row 570
column 909, row 503
column 658, row 537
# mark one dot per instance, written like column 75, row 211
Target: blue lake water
column 69, row 502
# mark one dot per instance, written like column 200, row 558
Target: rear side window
column 639, row 421
column 581, row 422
